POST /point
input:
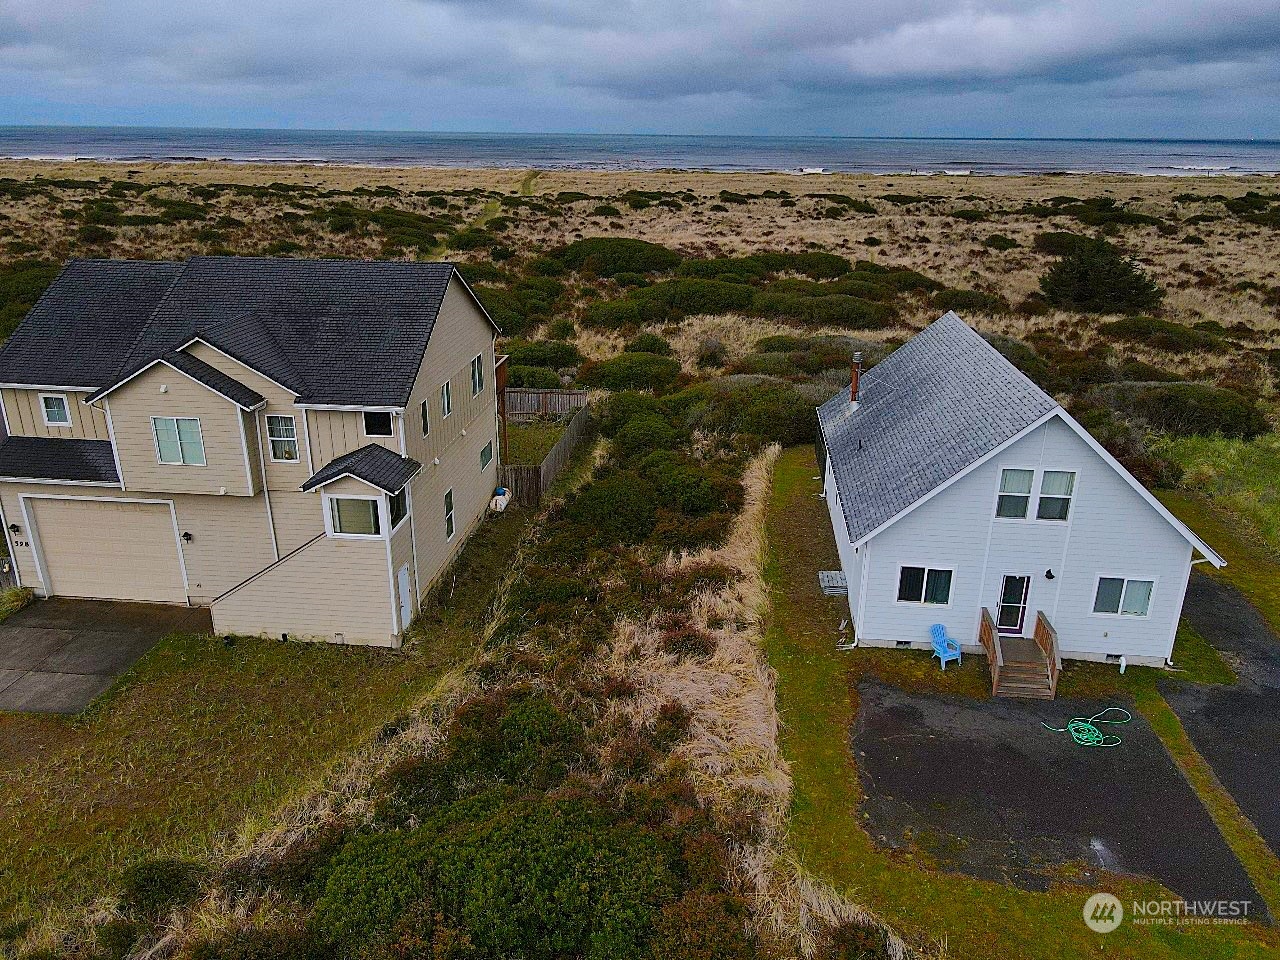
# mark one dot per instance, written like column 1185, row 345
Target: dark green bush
column 92, row 235
column 538, row 378
column 1095, row 277
column 618, row 508
column 1187, row 409
column 649, row 343
column 614, row 315
column 1058, row 243
column 998, row 241
column 851, row 313
column 779, row 343
column 285, row 943
column 622, row 407
column 523, row 305
column 543, row 353
column 608, row 256
column 21, row 285
column 370, row 883
column 673, row 299
column 630, row 371
column 150, row 889
column 644, row 434
column 703, row 925
column 1161, row 334
column 852, row 941
column 972, row 301
column 1021, row 355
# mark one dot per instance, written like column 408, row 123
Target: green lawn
column 817, row 696
column 1237, row 475
column 200, row 735
column 531, row 442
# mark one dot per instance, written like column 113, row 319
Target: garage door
column 109, row 551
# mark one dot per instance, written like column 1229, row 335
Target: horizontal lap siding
column 298, row 517
column 329, row 587
column 23, row 410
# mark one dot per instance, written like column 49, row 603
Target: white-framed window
column 929, row 585
column 1015, row 493
column 377, row 423
column 446, row 399
column 486, row 455
column 477, row 375
column 354, row 517
column 179, row 440
column 398, row 507
column 1122, row 597
column 1056, row 488
column 448, row 514
column 282, row 438
column 56, row 410
column 425, row 410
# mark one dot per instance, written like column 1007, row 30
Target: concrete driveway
column 57, row 655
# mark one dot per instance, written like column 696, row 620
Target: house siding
column 335, row 432
column 1111, row 531
column 851, row 558
column 25, row 416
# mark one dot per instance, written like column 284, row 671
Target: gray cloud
column 1051, row 67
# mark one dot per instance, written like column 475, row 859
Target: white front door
column 406, row 597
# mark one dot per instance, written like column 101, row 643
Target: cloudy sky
column 877, row 67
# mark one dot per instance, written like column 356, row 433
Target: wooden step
column 1032, row 690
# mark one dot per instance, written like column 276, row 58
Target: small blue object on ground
column 944, row 648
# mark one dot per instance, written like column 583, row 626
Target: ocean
column 645, row 152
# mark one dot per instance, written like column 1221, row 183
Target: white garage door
column 109, row 551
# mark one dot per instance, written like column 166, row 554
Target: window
column 477, row 376
column 486, row 455
column 1015, row 493
column 354, row 516
column 1055, row 494
column 446, row 399
column 426, row 417
column 56, row 412
column 398, row 507
column 282, row 435
column 377, row 424
column 923, row 585
column 448, row 514
column 178, row 440
column 1126, row 598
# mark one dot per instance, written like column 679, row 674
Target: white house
column 962, row 494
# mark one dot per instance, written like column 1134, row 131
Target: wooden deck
column 1022, row 666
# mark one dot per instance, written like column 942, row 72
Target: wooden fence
column 528, row 482
column 527, row 403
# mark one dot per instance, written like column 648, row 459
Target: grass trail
column 526, row 185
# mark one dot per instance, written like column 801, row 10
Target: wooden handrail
column 991, row 644
column 1046, row 638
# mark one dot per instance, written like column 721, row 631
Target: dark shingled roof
column 373, row 464
column 77, row 333
column 46, row 458
column 214, row 379
column 936, row 405
column 347, row 332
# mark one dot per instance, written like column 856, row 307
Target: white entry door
column 405, row 589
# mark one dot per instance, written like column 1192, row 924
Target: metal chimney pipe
column 855, row 377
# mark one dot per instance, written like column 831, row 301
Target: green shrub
column 712, row 353
column 649, row 343
column 630, row 371
column 370, row 883
column 1058, row 243
column 535, row 378
column 1187, row 409
column 285, row 943
column 779, row 343
column 614, row 315
column 973, row 301
column 618, row 508
column 154, row 887
column 644, row 434
column 471, row 238
column 1095, row 277
column 92, row 235
column 556, row 354
column 608, row 256
column 851, row 313
column 1021, row 355
column 702, row 925
column 607, row 210
column 998, row 241
column 21, row 285
column 682, row 297
column 523, row 305
column 852, row 941
column 622, row 407
column 1161, row 334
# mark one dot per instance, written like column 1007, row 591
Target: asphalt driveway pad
column 57, row 655
column 989, row 792
column 1236, row 729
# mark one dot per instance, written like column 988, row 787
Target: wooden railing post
column 1047, row 640
column 991, row 644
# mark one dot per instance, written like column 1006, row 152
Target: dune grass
column 201, row 735
column 817, row 697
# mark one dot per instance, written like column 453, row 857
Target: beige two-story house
column 300, row 445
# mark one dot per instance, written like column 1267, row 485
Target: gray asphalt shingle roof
column 55, row 458
column 347, row 332
column 933, row 407
column 214, row 379
column 373, row 464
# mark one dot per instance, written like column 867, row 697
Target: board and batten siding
column 25, row 416
column 335, row 432
column 1111, row 531
column 227, row 465
column 230, row 538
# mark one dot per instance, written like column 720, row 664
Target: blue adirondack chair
column 944, row 648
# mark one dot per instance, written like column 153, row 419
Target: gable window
column 282, row 435
column 446, row 399
column 486, row 455
column 1125, row 598
column 425, row 410
column 377, row 423
column 477, row 376
column 448, row 515
column 56, row 411
column 354, row 516
column 924, row 585
column 1015, row 493
column 1056, row 487
column 398, row 506
column 178, row 440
